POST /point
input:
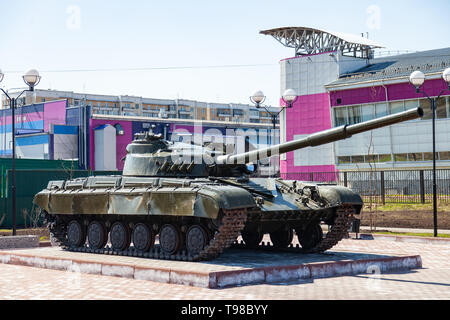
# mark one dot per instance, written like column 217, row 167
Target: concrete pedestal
column 13, row 242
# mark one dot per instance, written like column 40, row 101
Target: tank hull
column 217, row 210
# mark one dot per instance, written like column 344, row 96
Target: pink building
column 339, row 82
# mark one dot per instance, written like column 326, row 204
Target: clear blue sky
column 58, row 35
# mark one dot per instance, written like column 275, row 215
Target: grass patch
column 411, row 207
column 416, row 234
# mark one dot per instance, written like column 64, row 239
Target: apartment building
column 124, row 105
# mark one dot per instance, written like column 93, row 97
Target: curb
column 220, row 279
column 19, row 241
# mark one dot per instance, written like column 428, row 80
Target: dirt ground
column 422, row 219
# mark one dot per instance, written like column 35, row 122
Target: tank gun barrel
column 322, row 137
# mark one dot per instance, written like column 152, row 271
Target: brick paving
column 430, row 282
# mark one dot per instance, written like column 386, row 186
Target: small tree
column 2, row 219
column 373, row 203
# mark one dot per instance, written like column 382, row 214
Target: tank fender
column 338, row 195
column 41, row 199
column 210, row 199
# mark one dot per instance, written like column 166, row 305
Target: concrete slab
column 235, row 267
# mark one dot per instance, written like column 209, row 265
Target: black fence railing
column 389, row 186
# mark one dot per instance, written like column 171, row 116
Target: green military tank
column 196, row 200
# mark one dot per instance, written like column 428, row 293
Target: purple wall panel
column 51, row 112
column 54, row 112
column 309, row 114
column 399, row 91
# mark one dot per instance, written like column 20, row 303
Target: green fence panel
column 28, row 183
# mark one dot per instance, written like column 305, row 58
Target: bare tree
column 69, row 170
column 35, row 216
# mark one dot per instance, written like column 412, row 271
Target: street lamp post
column 289, row 97
column 31, row 78
column 417, row 78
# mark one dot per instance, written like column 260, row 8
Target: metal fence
column 389, row 186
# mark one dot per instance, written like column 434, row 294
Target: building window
column 425, row 105
column 445, row 155
column 367, row 112
column 380, row 110
column 410, row 104
column 442, row 108
column 357, row 159
column 384, row 158
column 428, row 156
column 401, row 157
column 415, row 157
column 345, row 159
column 354, row 114
column 340, row 116
column 396, row 107
column 371, row 158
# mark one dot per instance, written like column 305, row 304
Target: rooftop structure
column 307, row 41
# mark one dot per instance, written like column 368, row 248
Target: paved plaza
column 432, row 281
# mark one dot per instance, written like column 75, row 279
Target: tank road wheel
column 170, row 239
column 252, row 238
column 143, row 237
column 282, row 238
column 310, row 237
column 76, row 234
column 120, row 236
column 97, row 235
column 196, row 239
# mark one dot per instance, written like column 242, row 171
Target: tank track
column 342, row 222
column 232, row 222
